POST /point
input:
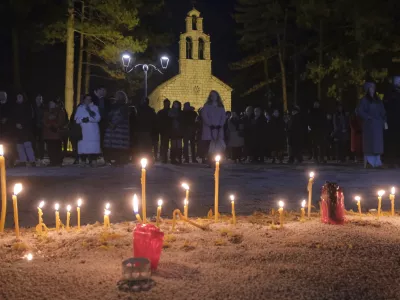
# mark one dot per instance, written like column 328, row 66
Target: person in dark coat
column 259, row 135
column 117, row 138
column 53, row 120
column 146, row 129
column 356, row 136
column 372, row 112
column 38, row 127
column 296, row 136
column 22, row 117
column 99, row 99
column 7, row 129
column 392, row 107
column 277, row 138
column 201, row 151
column 341, row 127
column 247, row 127
column 189, row 132
column 164, row 129
column 236, row 141
column 316, row 123
column 175, row 114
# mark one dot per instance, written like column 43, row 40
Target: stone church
column 195, row 80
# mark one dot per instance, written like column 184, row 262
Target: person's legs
column 173, row 151
column 179, row 150
column 29, row 152
column 51, row 151
column 164, row 144
column 186, row 149
column 192, row 141
column 59, row 156
column 21, row 153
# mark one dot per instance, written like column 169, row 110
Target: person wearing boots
column 164, row 129
column 189, row 132
column 176, row 132
column 259, row 135
column 296, row 130
column 277, row 140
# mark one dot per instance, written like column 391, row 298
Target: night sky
column 43, row 67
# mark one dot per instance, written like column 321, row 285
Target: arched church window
column 189, row 48
column 194, row 22
column 201, row 48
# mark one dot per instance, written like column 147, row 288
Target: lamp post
column 127, row 63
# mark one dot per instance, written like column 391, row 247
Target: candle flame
column 185, row 186
column 232, row 197
column 57, row 206
column 381, row 193
column 312, row 174
column 107, row 212
column 218, row 158
column 1, row 150
column 79, row 202
column 107, row 205
column 17, row 188
column 160, row 202
column 281, row 204
column 357, row 198
column 68, row 208
column 185, row 202
column 303, row 203
column 41, row 204
column 28, row 256
column 393, row 190
column 135, row 204
column 143, row 162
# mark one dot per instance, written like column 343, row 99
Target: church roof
column 216, row 79
column 194, row 12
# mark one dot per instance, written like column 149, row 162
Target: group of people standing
column 122, row 132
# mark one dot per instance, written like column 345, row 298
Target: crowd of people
column 120, row 132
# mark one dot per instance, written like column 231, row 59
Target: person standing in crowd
column 146, row 126
column 392, row 107
column 296, row 130
column 64, row 130
column 201, row 153
column 99, row 99
column 88, row 117
column 259, row 135
column 38, row 128
column 236, row 140
column 23, row 120
column 356, row 136
column 277, row 139
column 117, row 137
column 6, row 129
column 53, row 121
column 75, row 132
column 247, row 123
column 164, row 129
column 317, row 132
column 372, row 112
column 228, row 115
column 341, row 133
column 189, row 132
column 175, row 114
column 213, row 116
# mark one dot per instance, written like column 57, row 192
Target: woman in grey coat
column 372, row 112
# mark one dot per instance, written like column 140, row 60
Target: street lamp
column 128, row 67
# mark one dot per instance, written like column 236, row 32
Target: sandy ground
column 360, row 260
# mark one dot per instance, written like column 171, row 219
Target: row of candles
column 143, row 219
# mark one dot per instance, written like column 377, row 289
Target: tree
column 263, row 30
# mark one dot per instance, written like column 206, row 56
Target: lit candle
column 144, row 164
column 160, row 203
column 17, row 190
column 309, row 188
column 217, row 159
column 185, row 208
column 107, row 213
column 303, row 205
column 58, row 223
column 232, row 197
column 392, row 196
column 39, row 228
column 28, row 256
column 136, row 208
column 358, row 199
column 281, row 204
column 3, row 189
column 78, row 213
column 380, row 194
column 186, row 187
column 68, row 216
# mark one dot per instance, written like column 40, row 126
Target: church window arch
column 201, row 48
column 189, row 48
column 194, row 22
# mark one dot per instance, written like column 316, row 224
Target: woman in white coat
column 88, row 117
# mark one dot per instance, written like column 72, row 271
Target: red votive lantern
column 148, row 243
column 332, row 204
